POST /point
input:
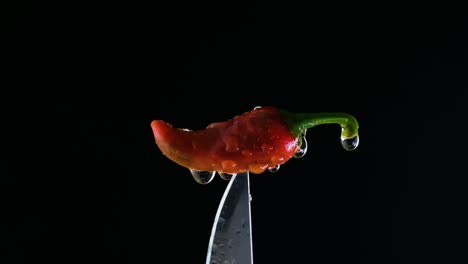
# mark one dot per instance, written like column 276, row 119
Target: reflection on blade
column 231, row 236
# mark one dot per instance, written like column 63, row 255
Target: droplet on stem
column 302, row 147
column 203, row 177
column 350, row 143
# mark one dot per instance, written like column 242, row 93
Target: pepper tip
column 159, row 128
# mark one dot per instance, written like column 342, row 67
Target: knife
column 231, row 236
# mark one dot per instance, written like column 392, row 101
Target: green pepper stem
column 299, row 122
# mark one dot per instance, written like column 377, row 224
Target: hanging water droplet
column 302, row 147
column 257, row 168
column 274, row 169
column 203, row 177
column 226, row 176
column 350, row 143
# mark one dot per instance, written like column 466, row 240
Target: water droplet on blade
column 350, row 143
column 226, row 176
column 203, row 177
column 302, row 148
column 274, row 169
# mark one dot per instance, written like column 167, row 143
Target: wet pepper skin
column 253, row 141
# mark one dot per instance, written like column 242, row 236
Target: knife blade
column 231, row 236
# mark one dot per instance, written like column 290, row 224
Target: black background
column 82, row 179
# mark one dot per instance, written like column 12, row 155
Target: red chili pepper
column 265, row 137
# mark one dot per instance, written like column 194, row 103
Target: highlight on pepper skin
column 261, row 139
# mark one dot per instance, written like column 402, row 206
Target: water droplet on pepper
column 257, row 168
column 203, row 177
column 226, row 176
column 247, row 153
column 231, row 142
column 266, row 147
column 302, row 147
column 228, row 165
column 350, row 144
column 277, row 159
column 274, row 168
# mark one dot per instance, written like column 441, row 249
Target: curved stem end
column 299, row 122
